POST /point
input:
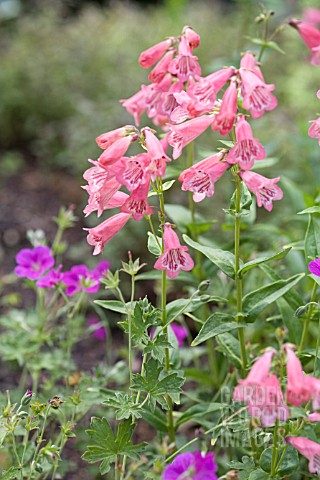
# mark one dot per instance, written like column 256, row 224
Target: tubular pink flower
column 137, row 204
column 153, row 54
column 200, row 178
column 184, row 133
column 309, row 34
column 136, row 104
column 224, row 120
column 161, row 69
column 314, row 130
column 256, row 94
column 154, row 94
column 106, row 139
column 98, row 199
column 188, row 108
column 248, row 62
column 175, row 256
column 192, row 38
column 185, row 65
column 96, row 177
column 113, row 153
column 169, row 102
column 247, row 149
column 132, row 171
column 157, row 166
column 265, row 189
column 309, row 449
column 312, row 16
column 314, row 417
column 101, row 234
column 298, row 390
column 219, row 78
column 314, row 385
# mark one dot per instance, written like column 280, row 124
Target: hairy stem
column 308, row 317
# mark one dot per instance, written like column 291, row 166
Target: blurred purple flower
column 314, row 267
column 51, row 278
column 180, row 332
column 80, row 278
column 191, row 466
column 32, row 263
column 99, row 331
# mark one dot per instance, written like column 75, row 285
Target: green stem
column 239, row 316
column 16, row 453
column 130, row 329
column 317, row 347
column 39, row 441
column 307, row 320
column 274, row 449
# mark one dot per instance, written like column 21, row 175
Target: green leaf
column 216, row 324
column 256, row 301
column 258, row 474
column 311, row 240
column 154, row 246
column 227, row 143
column 11, row 474
column 182, row 217
column 157, row 346
column 123, row 404
column 165, row 186
column 231, row 348
column 157, row 386
column 289, row 463
column 223, row 259
column 245, row 199
column 114, row 305
column 314, row 209
column 155, row 418
column 197, row 412
column 257, row 261
column 181, row 305
column 292, row 297
column 266, row 163
column 271, row 44
column 106, row 447
column 144, row 316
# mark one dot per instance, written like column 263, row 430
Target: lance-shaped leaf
column 216, row 324
column 114, row 305
column 181, row 305
column 258, row 261
column 256, row 301
column 198, row 412
column 106, row 446
column 221, row 258
column 231, row 348
column 311, row 240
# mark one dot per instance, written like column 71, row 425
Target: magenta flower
column 309, row 449
column 180, row 333
column 265, row 189
column 51, row 278
column 314, row 267
column 175, row 256
column 191, row 466
column 32, row 263
column 247, row 149
column 99, row 330
column 80, row 278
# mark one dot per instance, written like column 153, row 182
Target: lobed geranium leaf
column 123, row 404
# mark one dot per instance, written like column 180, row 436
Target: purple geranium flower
column 180, row 332
column 32, row 263
column 80, row 278
column 191, row 466
column 51, row 278
column 314, row 267
column 99, row 330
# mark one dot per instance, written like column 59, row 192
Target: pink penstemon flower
column 136, row 105
column 257, row 96
column 298, row 389
column 200, row 178
column 153, row 54
column 105, row 140
column 225, row 119
column 99, row 198
column 161, row 69
column 309, row 449
column 137, row 204
column 312, row 16
column 192, row 38
column 175, row 257
column 265, row 189
column 101, row 234
column 158, row 157
column 311, row 37
column 248, row 62
column 314, row 130
column 247, row 149
column 117, row 149
column 184, row 133
column 132, row 171
column 169, row 101
column 204, row 90
column 185, row 65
